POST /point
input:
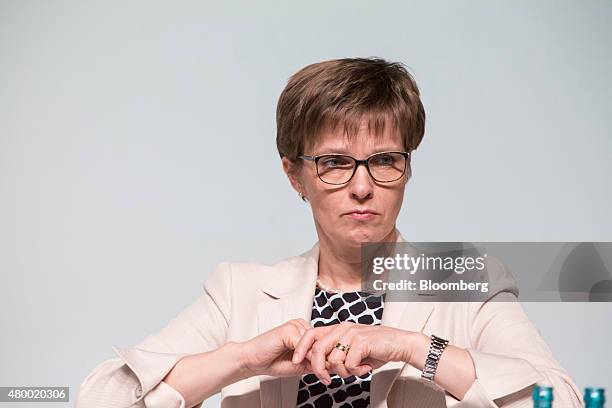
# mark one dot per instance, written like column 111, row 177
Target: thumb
column 292, row 335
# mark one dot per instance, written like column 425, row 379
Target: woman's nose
column 361, row 185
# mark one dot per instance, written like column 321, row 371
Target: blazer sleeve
column 510, row 356
column 134, row 378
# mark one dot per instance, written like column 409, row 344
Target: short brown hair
column 344, row 92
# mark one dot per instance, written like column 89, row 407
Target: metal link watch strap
column 436, row 347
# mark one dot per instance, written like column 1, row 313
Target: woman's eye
column 384, row 160
column 335, row 162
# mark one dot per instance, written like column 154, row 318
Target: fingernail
column 295, row 358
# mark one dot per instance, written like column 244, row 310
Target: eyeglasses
column 383, row 167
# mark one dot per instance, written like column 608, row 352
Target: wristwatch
column 436, row 347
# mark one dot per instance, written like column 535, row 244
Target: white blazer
column 243, row 299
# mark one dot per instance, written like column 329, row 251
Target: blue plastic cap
column 542, row 393
column 594, row 395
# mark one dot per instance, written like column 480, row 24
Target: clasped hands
column 294, row 348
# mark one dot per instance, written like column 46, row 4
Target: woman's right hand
column 270, row 353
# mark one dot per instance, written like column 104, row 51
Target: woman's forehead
column 365, row 141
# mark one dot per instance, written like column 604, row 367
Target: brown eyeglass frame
column 365, row 162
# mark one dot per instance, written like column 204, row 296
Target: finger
column 323, row 346
column 337, row 367
column 354, row 358
column 308, row 365
column 296, row 332
column 307, row 340
column 340, row 331
column 302, row 326
column 301, row 323
column 293, row 334
column 336, row 360
column 303, row 344
column 309, row 353
column 318, row 360
column 309, row 356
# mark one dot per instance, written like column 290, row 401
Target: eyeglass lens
column 338, row 169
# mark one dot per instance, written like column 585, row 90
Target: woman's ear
column 291, row 171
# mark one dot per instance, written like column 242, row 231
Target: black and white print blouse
column 333, row 308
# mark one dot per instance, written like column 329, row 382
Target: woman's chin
column 359, row 235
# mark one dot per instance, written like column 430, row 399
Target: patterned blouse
column 328, row 309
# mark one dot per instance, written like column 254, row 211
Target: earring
column 302, row 196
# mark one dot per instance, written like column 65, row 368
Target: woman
column 299, row 333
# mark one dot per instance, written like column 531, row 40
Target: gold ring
column 343, row 347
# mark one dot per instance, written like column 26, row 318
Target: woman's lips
column 361, row 216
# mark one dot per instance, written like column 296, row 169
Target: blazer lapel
column 410, row 316
column 290, row 289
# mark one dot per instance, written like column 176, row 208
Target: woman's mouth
column 361, row 215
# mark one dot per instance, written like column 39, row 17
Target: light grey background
column 117, row 119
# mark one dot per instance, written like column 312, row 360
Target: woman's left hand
column 370, row 348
